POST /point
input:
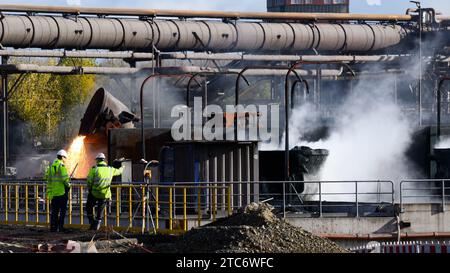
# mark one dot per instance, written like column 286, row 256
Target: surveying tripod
column 148, row 195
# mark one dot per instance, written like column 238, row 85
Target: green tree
column 45, row 101
column 75, row 89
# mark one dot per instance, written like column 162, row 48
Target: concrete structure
column 332, row 6
column 417, row 222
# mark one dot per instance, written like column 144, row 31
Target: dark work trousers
column 90, row 204
column 59, row 208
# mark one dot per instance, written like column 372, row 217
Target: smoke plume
column 443, row 144
column 368, row 138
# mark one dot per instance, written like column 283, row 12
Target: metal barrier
column 318, row 199
column 176, row 207
column 424, row 191
column 131, row 208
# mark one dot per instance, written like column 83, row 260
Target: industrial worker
column 99, row 185
column 58, row 185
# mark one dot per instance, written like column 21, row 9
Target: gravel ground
column 26, row 239
column 254, row 230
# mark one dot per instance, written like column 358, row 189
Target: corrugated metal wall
column 302, row 6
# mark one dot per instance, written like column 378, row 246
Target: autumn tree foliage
column 51, row 105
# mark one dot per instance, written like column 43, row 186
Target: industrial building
column 358, row 103
column 330, row 6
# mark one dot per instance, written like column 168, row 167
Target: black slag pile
column 255, row 230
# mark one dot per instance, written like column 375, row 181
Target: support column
column 205, row 98
column 4, row 117
column 133, row 88
column 319, row 87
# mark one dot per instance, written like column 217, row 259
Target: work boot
column 91, row 223
column 53, row 225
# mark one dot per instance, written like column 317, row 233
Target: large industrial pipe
column 130, row 55
column 280, row 58
column 55, row 32
column 77, row 70
column 204, row 14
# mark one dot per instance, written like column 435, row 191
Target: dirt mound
column 254, row 230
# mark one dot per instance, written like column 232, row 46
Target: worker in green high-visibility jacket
column 58, row 186
column 99, row 185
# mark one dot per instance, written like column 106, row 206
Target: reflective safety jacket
column 99, row 180
column 57, row 179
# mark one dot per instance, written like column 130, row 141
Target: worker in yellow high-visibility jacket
column 99, row 185
column 58, row 186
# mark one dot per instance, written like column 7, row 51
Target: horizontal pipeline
column 204, row 14
column 77, row 54
column 331, row 74
column 197, row 56
column 75, row 70
column 282, row 58
column 57, row 32
column 442, row 18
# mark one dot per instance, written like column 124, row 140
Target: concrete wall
column 425, row 218
column 375, row 225
column 427, row 223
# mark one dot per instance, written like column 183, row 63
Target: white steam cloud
column 368, row 139
column 443, row 144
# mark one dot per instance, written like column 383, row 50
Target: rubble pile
column 255, row 230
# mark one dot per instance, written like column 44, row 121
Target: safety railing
column 133, row 207
column 314, row 198
column 425, row 191
column 175, row 207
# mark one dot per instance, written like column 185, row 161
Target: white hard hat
column 100, row 156
column 62, row 153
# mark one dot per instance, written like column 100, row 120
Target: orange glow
column 82, row 151
column 77, row 154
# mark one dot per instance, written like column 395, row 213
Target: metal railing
column 176, row 207
column 424, row 191
column 314, row 198
column 131, row 208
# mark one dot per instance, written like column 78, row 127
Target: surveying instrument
column 149, row 177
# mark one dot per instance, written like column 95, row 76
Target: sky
column 357, row 6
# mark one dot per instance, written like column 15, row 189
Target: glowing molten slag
column 77, row 154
